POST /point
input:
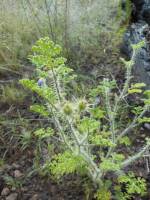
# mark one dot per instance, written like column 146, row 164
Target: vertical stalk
column 56, row 85
column 67, row 24
column 56, row 19
column 36, row 19
column 110, row 112
column 49, row 21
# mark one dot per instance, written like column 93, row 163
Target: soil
column 36, row 187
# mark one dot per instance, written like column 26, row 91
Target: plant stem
column 135, row 157
column 133, row 124
column 49, row 21
column 109, row 112
column 56, row 85
column 126, row 131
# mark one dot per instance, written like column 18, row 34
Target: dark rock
column 138, row 31
column 142, row 10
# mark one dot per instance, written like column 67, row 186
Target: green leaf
column 147, row 93
column 44, row 133
column 97, row 113
column 46, row 93
column 42, row 110
column 66, row 163
column 125, row 140
column 113, row 163
column 144, row 120
column 100, row 140
column 138, row 85
column 137, row 110
column 133, row 185
column 103, row 194
column 88, row 125
column 134, row 90
column 46, row 53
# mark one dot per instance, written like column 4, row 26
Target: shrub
column 90, row 132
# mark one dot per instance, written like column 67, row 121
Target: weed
column 81, row 126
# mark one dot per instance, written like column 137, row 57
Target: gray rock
column 5, row 191
column 17, row 174
column 12, row 196
column 147, row 126
column 34, row 197
column 15, row 166
column 136, row 32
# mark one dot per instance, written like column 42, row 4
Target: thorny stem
column 126, row 84
column 58, row 125
column 119, row 99
column 73, row 131
column 129, row 128
column 56, row 85
column 133, row 124
column 94, row 170
column 135, row 157
column 96, row 174
column 110, row 113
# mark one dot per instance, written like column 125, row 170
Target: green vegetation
column 72, row 117
column 89, row 134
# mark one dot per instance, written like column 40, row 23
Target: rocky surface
column 5, row 191
column 12, row 196
column 142, row 10
column 139, row 30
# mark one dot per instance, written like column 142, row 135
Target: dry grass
column 74, row 23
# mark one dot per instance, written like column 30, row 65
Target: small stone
column 17, row 174
column 147, row 126
column 12, row 196
column 13, row 189
column 143, row 135
column 15, row 166
column 34, row 197
column 24, row 189
column 8, row 167
column 142, row 129
column 5, row 191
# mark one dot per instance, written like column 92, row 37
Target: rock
column 141, row 129
column 142, row 10
column 15, row 166
column 35, row 197
column 138, row 31
column 143, row 135
column 7, row 167
column 5, row 191
column 147, row 126
column 17, row 174
column 12, row 196
column 134, row 35
column 24, row 189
